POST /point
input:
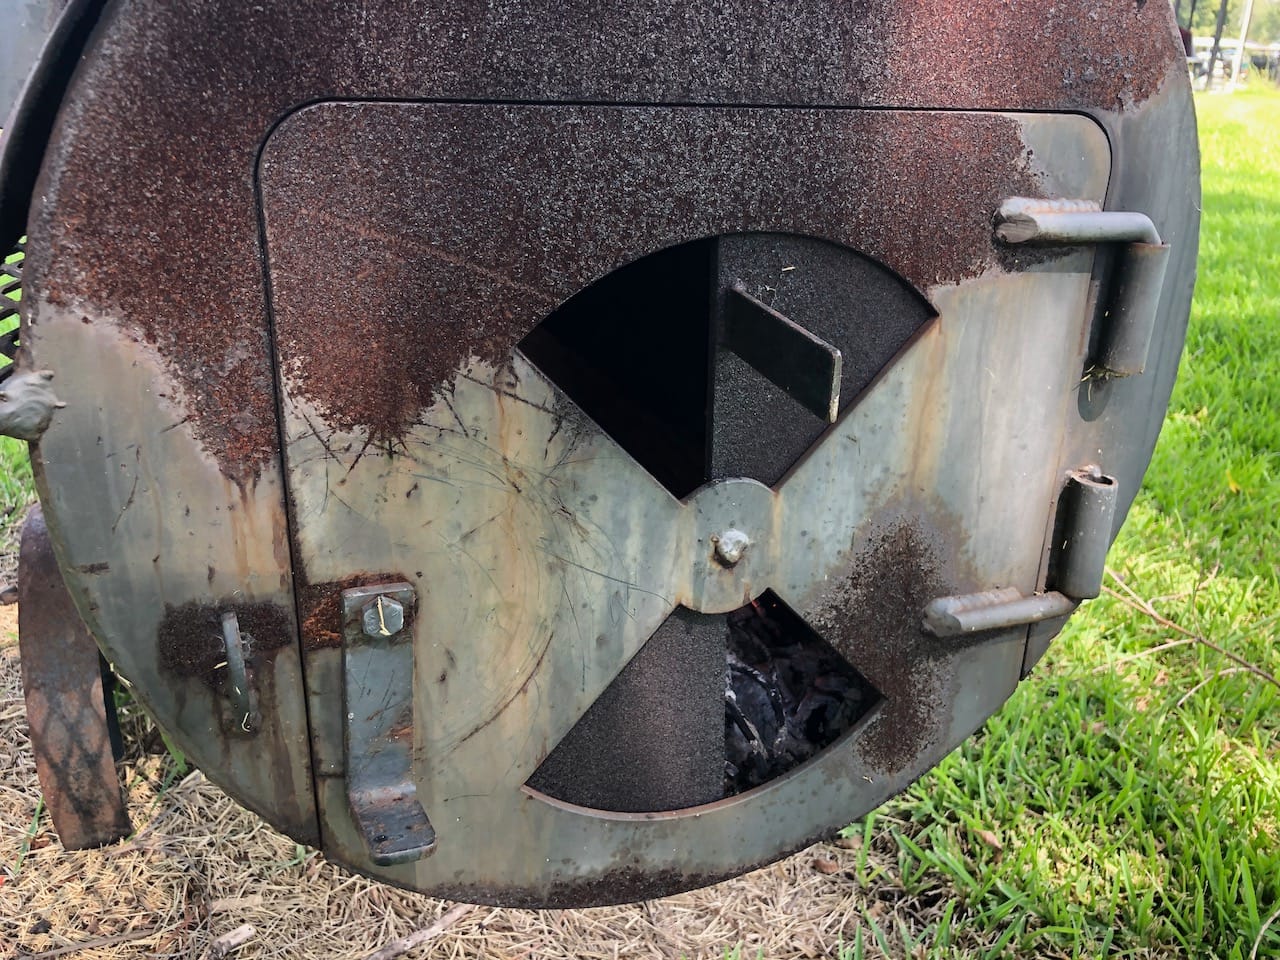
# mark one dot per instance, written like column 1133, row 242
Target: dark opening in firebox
column 788, row 694
column 740, row 699
column 633, row 350
column 724, row 357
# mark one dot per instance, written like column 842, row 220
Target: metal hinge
column 1082, row 535
column 1128, row 309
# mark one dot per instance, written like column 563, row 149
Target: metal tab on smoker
column 378, row 687
column 802, row 364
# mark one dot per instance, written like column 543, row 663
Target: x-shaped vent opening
column 724, row 357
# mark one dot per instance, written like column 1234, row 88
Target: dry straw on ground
column 200, row 867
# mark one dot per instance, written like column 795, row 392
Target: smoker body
column 482, row 421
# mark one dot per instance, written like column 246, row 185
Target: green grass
column 1134, row 790
column 15, row 477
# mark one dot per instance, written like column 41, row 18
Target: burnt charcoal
column 788, row 694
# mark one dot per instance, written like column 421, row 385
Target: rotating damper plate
column 625, row 452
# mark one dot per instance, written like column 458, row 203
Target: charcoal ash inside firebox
column 788, row 694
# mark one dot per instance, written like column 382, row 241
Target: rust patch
column 1110, row 56
column 146, row 218
column 191, row 644
column 320, row 606
column 873, row 619
column 461, row 253
column 181, row 273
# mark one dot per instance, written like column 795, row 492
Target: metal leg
column 66, row 711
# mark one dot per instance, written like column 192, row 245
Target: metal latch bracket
column 377, row 630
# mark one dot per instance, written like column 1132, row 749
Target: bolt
column 730, row 546
column 382, row 617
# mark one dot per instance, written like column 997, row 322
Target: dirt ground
column 199, row 866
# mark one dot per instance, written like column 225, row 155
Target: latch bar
column 1024, row 220
column 378, row 685
column 1128, row 313
column 240, row 690
column 1082, row 535
column 993, row 610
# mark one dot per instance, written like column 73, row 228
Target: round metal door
column 540, row 456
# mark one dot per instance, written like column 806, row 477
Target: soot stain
column 191, row 643
column 873, row 618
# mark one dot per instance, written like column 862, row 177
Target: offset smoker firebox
column 555, row 454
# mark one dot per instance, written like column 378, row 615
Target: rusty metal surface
column 499, row 172
column 546, row 558
column 66, row 714
column 160, row 545
column 1069, row 56
column 146, row 292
